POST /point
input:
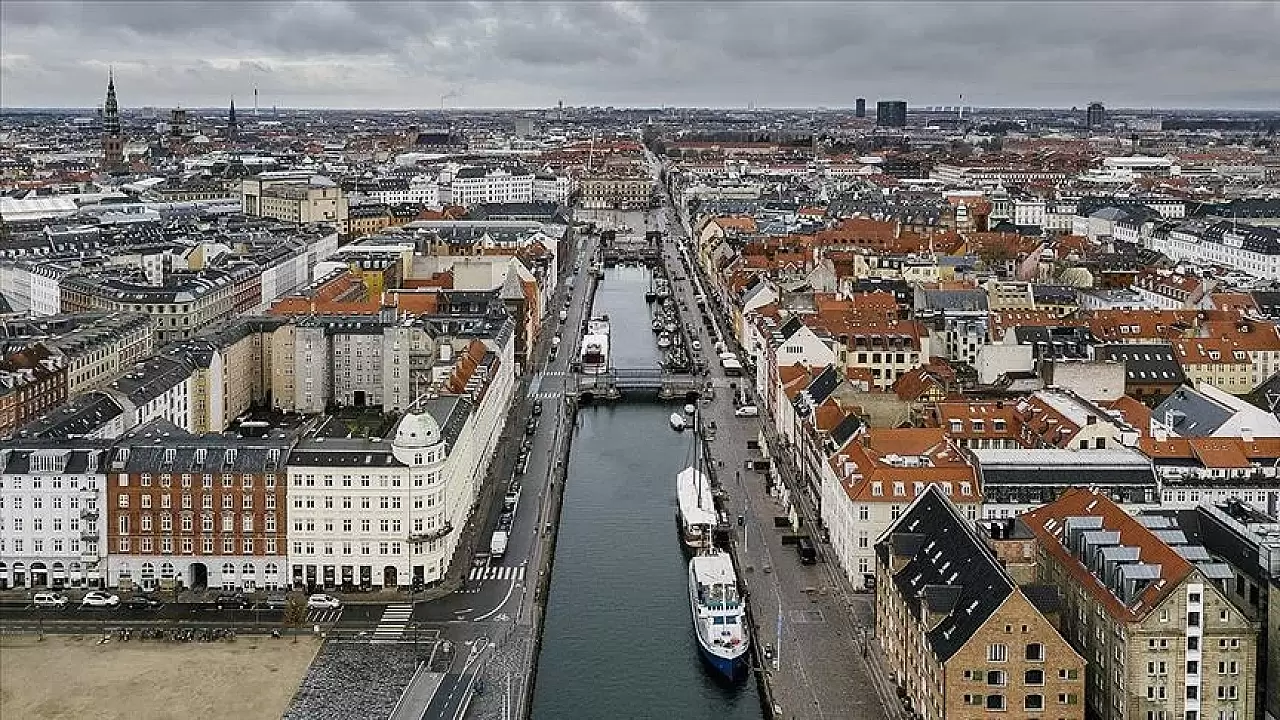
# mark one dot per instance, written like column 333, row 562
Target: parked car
column 537, row 407
column 512, row 498
column 696, row 345
column 808, row 553
column 97, row 598
column 278, row 601
column 323, row 602
column 530, row 426
column 142, row 602
column 49, row 600
column 747, row 411
column 233, row 601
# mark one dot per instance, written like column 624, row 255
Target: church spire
column 112, row 137
column 233, row 127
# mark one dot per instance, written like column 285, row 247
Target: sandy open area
column 69, row 677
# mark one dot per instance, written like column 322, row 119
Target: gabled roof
column 948, row 569
column 1062, row 540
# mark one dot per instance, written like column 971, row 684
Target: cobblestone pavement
column 355, row 681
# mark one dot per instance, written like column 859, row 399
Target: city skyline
column 342, row 55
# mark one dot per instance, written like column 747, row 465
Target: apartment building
column 387, row 509
column 1147, row 610
column 872, row 478
column 1220, row 362
column 31, row 381
column 961, row 638
column 297, row 198
column 617, row 189
column 179, row 308
column 196, row 511
column 1017, row 480
column 51, row 497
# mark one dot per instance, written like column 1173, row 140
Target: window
column 1034, row 702
column 1034, row 677
column 996, row 678
column 997, row 652
column 1035, row 652
column 995, row 702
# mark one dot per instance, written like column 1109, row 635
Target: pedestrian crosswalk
column 391, row 627
column 556, row 373
column 545, row 394
column 497, row 572
column 322, row 616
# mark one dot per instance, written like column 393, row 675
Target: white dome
column 417, row 430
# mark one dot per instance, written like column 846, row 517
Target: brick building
column 962, row 639
column 196, row 510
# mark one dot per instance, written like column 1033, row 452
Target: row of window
column 206, row 481
column 1034, row 701
column 38, row 545
column 309, row 548
column 55, row 503
column 206, row 501
column 187, row 545
column 187, row 522
column 385, row 502
column 18, row 482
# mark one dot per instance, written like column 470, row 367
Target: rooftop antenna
column 255, row 102
column 961, row 117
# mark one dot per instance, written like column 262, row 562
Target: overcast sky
column 786, row 54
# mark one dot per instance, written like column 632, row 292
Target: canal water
column 617, row 638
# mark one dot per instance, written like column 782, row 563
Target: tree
column 295, row 615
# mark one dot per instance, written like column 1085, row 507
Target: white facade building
column 50, row 500
column 472, row 186
column 388, row 511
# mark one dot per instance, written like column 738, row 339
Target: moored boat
column 677, row 422
column 594, row 357
column 719, row 615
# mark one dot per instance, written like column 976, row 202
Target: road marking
column 510, row 589
column 497, row 572
column 322, row 616
column 392, row 625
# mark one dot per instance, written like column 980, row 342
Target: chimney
column 1159, row 432
column 1246, row 434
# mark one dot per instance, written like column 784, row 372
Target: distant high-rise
column 112, row 137
column 891, row 113
column 233, row 127
column 860, row 107
column 1095, row 115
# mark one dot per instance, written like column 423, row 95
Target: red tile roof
column 1048, row 523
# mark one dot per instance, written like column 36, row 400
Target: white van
column 49, row 600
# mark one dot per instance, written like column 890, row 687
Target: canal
column 617, row 636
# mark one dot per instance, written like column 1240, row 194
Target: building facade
column 961, row 638
column 52, row 495
column 196, row 511
column 1147, row 610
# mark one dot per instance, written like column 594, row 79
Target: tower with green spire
column 112, row 137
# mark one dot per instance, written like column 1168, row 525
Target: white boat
column 695, row 509
column 594, row 357
column 690, row 409
column 719, row 614
column 677, row 422
column 664, row 342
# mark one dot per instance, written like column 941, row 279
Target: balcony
column 432, row 535
column 89, row 514
column 89, row 536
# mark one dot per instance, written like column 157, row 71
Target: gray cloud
column 521, row 54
